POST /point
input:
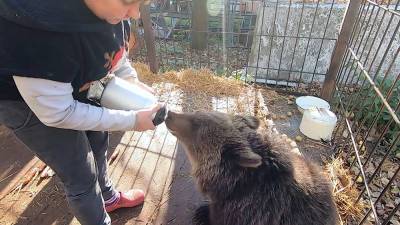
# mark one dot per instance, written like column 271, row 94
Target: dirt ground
column 287, row 119
column 152, row 160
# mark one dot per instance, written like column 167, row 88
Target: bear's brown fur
column 250, row 175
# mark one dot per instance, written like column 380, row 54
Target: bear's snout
column 169, row 121
column 178, row 123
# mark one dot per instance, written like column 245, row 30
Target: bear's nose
column 170, row 114
column 176, row 115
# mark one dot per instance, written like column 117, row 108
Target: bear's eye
column 195, row 125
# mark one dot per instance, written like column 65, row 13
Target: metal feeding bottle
column 115, row 93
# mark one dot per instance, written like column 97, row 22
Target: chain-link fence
column 287, row 42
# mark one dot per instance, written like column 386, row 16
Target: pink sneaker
column 128, row 199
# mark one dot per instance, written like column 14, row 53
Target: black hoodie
column 60, row 40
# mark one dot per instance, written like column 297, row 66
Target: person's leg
column 99, row 142
column 68, row 153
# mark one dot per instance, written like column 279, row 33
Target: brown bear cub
column 249, row 175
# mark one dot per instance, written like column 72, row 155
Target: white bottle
column 116, row 93
column 123, row 95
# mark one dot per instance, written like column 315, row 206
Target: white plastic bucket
column 318, row 123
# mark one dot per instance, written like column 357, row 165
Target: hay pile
column 344, row 192
column 193, row 81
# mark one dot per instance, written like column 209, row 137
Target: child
column 50, row 52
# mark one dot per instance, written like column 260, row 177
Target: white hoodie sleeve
column 125, row 69
column 52, row 102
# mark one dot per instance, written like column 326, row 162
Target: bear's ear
column 247, row 158
column 240, row 154
column 251, row 121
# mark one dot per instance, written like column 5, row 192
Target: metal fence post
column 340, row 48
column 149, row 38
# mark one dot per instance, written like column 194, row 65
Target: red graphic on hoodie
column 113, row 58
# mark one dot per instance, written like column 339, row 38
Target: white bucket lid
column 308, row 102
column 321, row 115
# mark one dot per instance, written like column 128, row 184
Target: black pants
column 77, row 157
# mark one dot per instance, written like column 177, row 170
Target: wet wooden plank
column 156, row 177
column 122, row 169
column 114, row 170
column 161, row 213
column 181, row 196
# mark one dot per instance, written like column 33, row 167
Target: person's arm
column 126, row 70
column 53, row 104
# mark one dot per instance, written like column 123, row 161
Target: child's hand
column 144, row 118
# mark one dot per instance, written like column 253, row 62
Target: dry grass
column 344, row 192
column 193, row 81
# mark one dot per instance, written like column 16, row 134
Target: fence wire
column 368, row 96
column 283, row 42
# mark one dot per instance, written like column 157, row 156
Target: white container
column 115, row 93
column 318, row 123
column 123, row 95
column 308, row 102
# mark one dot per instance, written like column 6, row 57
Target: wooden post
column 149, row 38
column 167, row 5
column 199, row 24
column 228, row 21
column 340, row 48
column 178, row 4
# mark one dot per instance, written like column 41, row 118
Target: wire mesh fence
column 287, row 43
column 368, row 96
